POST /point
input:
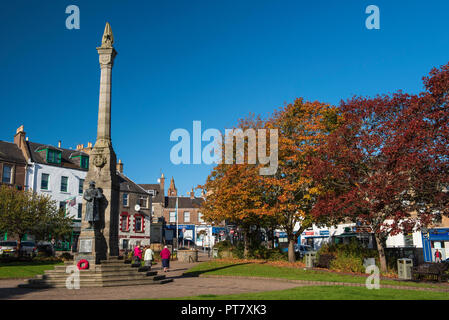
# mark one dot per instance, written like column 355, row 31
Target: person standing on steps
column 137, row 254
column 165, row 256
column 149, row 256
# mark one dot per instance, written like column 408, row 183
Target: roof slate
column 11, row 152
column 66, row 161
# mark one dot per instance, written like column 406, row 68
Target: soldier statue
column 93, row 197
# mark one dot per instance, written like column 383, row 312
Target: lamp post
column 151, row 213
column 177, row 241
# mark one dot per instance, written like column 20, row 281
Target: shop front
column 186, row 234
column 315, row 239
column 219, row 233
column 435, row 239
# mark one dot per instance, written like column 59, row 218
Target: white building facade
column 60, row 174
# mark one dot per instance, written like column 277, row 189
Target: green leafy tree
column 25, row 212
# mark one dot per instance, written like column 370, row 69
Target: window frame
column 80, row 211
column 142, row 223
column 10, row 173
column 56, row 156
column 184, row 216
column 63, row 206
column 81, row 186
column 84, row 162
column 48, row 181
column 66, row 185
column 170, row 217
column 124, row 215
column 140, row 199
column 127, row 199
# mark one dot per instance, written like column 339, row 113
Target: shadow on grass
column 29, row 263
column 197, row 273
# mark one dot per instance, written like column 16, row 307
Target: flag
column 71, row 202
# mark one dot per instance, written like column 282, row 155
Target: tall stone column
column 101, row 241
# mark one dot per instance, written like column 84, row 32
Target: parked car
column 302, row 249
column 8, row 247
column 28, row 248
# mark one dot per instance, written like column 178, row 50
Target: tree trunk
column 245, row 244
column 291, row 250
column 381, row 250
column 19, row 245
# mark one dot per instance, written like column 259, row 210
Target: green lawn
column 17, row 270
column 270, row 271
column 328, row 293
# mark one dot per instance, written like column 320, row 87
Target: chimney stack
column 192, row 194
column 19, row 137
column 120, row 166
column 162, row 185
column 59, row 144
column 19, row 140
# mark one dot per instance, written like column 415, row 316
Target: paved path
column 180, row 287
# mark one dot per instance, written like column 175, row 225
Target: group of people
column 148, row 256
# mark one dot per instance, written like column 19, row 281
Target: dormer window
column 51, row 154
column 54, row 156
column 81, row 159
column 84, row 162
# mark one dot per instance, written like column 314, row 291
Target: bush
column 277, row 255
column 226, row 250
column 345, row 257
column 47, row 259
column 223, row 245
column 66, row 256
column 324, row 260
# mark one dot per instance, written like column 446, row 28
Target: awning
column 218, row 229
column 439, row 238
column 439, row 234
column 347, row 235
column 180, row 226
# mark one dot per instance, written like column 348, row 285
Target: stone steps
column 109, row 273
column 84, row 283
column 102, row 277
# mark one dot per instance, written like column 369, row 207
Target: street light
column 152, row 195
column 177, row 241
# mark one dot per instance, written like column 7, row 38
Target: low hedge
column 345, row 257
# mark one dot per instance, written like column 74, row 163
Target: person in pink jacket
column 165, row 256
column 137, row 254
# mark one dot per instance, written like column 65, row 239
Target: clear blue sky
column 209, row 60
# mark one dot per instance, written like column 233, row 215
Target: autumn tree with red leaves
column 387, row 165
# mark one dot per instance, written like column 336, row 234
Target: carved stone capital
column 106, row 56
column 99, row 160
